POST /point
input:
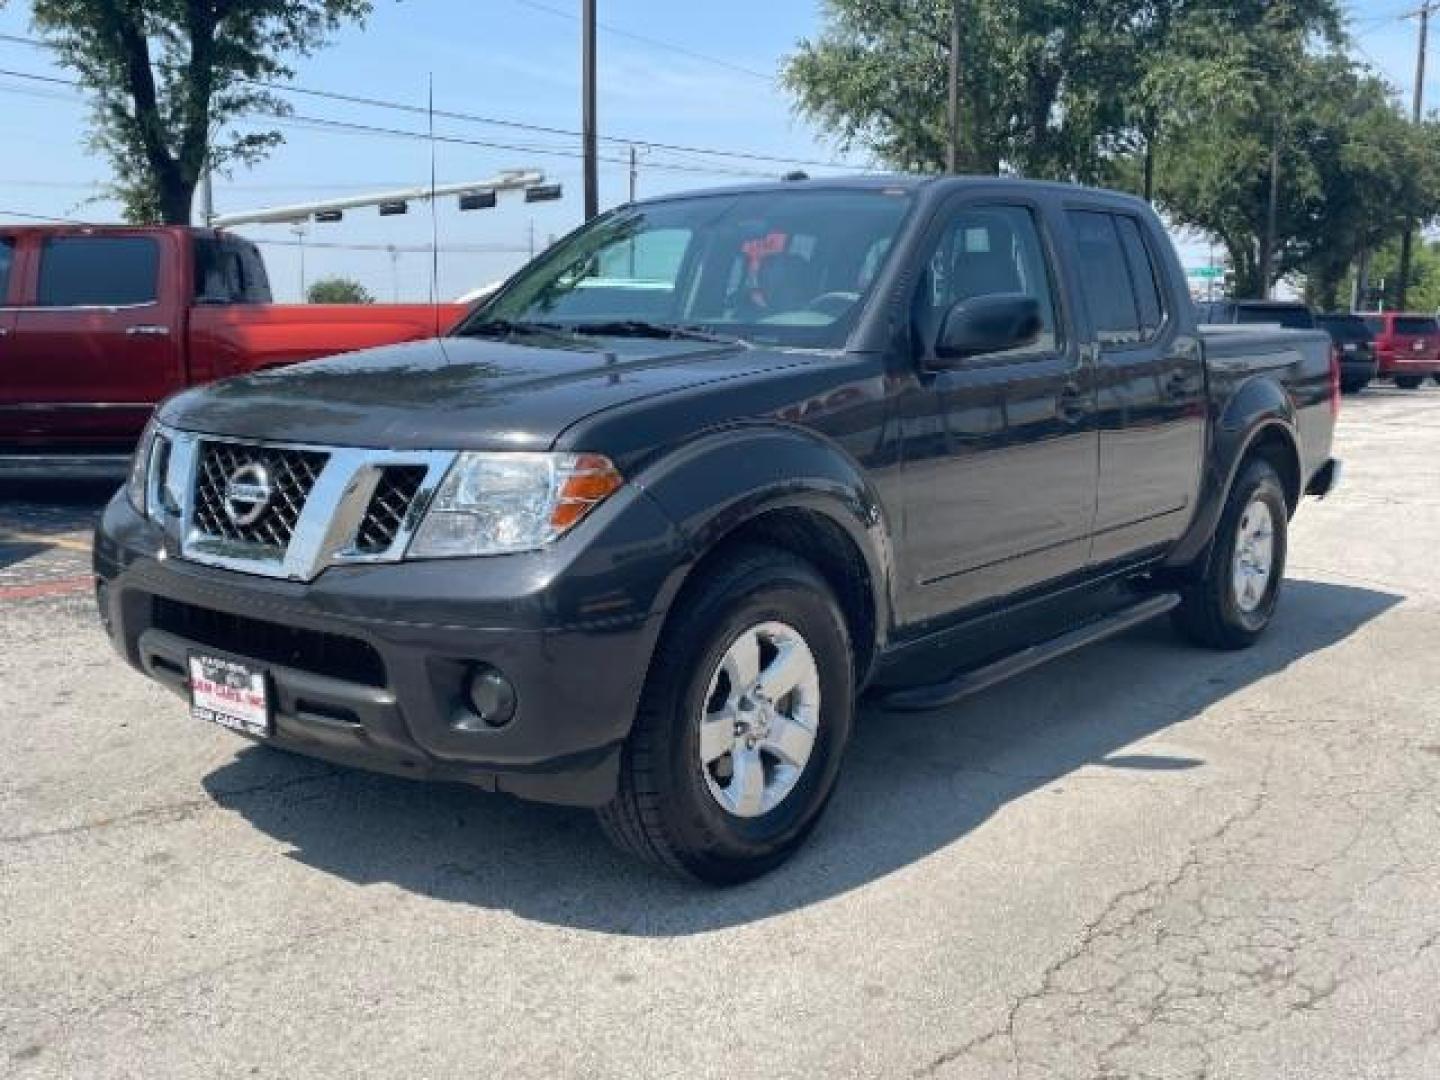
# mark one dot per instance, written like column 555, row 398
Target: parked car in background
column 1355, row 349
column 1407, row 346
column 642, row 548
column 1287, row 314
column 99, row 323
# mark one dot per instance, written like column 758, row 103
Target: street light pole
column 588, row 80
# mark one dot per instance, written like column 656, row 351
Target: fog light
column 492, row 698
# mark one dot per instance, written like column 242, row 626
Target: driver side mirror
column 987, row 324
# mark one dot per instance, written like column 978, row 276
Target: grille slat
column 334, row 655
column 292, row 474
column 389, row 506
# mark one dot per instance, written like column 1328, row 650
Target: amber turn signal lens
column 588, row 482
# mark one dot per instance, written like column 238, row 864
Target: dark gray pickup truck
column 640, row 532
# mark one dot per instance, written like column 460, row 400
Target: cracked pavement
column 1143, row 861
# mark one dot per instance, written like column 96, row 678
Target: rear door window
column 1109, row 292
column 1146, row 278
column 7, row 259
column 98, row 271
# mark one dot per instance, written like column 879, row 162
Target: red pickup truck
column 98, row 324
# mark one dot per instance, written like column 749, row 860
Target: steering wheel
column 834, row 304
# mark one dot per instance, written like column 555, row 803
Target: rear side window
column 7, row 258
column 98, row 271
column 229, row 271
column 1376, row 324
column 1416, row 327
column 1105, row 275
column 1145, row 277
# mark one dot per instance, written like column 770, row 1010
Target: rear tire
column 708, row 731
column 1409, row 382
column 1232, row 601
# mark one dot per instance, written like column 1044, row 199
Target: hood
column 456, row 393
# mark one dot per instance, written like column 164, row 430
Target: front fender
column 1259, row 406
column 724, row 480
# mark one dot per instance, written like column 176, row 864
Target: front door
column 95, row 348
column 1000, row 453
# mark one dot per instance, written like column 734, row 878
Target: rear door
column 96, row 345
column 1150, row 385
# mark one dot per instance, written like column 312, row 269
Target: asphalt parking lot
column 1143, row 861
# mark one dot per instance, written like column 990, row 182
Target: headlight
column 494, row 504
column 138, row 483
column 147, row 470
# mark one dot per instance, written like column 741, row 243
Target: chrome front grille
column 290, row 475
column 389, row 508
column 288, row 510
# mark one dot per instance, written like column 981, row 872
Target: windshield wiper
column 511, row 328
column 639, row 328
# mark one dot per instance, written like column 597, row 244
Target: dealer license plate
column 229, row 693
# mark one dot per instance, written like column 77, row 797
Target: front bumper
column 368, row 665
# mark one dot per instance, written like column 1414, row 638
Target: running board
column 939, row 695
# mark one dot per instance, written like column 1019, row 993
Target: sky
column 685, row 74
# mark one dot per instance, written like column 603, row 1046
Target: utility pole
column 1407, row 242
column 394, row 272
column 207, row 195
column 634, row 172
column 532, row 239
column 1267, row 247
column 299, row 231
column 587, row 78
column 952, row 160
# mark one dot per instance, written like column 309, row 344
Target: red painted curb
column 62, row 587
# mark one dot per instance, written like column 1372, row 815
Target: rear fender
column 1260, row 406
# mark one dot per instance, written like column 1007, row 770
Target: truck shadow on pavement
column 912, row 785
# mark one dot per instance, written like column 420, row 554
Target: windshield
column 773, row 267
column 1291, row 318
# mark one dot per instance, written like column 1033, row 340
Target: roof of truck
column 908, row 182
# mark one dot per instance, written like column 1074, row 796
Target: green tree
column 165, row 76
column 1424, row 284
column 1037, row 81
column 338, row 290
column 1062, row 89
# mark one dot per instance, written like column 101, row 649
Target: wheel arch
column 792, row 490
column 1259, row 422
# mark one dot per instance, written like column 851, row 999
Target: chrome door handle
column 147, row 330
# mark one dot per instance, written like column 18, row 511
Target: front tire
column 742, row 725
column 1231, row 603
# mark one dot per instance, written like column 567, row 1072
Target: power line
column 493, row 121
column 327, row 123
column 669, row 46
